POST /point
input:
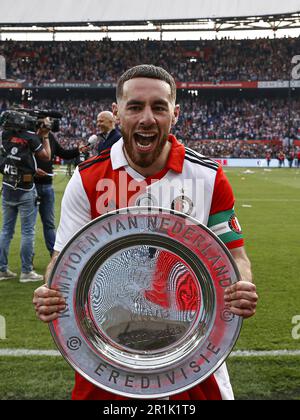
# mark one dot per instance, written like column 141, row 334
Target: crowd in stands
column 237, row 119
column 234, row 149
column 192, row 61
column 236, row 122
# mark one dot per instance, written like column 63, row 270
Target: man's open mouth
column 145, row 141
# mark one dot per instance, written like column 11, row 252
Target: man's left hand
column 45, row 128
column 241, row 299
column 40, row 173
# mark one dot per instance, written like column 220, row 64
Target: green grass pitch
column 268, row 206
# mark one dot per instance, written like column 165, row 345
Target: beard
column 139, row 159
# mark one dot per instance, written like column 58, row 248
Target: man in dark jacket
column 43, row 182
column 19, row 151
column 108, row 133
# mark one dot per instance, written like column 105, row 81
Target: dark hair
column 148, row 71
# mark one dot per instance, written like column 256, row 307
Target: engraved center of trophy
column 144, row 298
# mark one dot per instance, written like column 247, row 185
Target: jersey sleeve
column 35, row 144
column 75, row 211
column 222, row 220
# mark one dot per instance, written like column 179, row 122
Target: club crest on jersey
column 146, row 200
column 183, row 204
column 234, row 225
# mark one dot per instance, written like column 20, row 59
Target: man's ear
column 176, row 114
column 115, row 111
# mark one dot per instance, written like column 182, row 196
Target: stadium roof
column 104, row 17
column 56, row 12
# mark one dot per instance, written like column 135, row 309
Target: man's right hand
column 48, row 303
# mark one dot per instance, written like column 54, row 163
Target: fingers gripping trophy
column 150, row 279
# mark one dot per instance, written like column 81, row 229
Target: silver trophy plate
column 146, row 316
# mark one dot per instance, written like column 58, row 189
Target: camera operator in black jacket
column 18, row 165
column 44, row 186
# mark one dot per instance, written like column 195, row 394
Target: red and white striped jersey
column 190, row 183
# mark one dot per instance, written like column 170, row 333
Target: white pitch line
column 27, row 353
column 269, row 200
column 273, row 353
column 239, row 353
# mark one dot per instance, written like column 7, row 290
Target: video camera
column 29, row 119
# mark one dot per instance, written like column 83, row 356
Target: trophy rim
column 150, row 210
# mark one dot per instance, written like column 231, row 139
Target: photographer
column 43, row 181
column 19, row 146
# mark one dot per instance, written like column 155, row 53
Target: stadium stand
column 239, row 123
column 193, row 61
column 240, row 128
